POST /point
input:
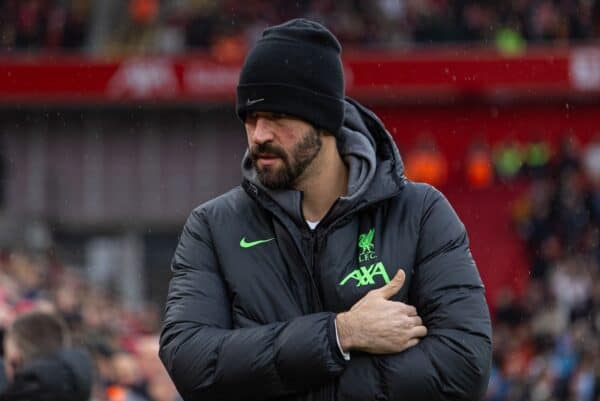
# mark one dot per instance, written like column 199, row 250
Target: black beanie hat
column 295, row 68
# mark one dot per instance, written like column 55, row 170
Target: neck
column 323, row 182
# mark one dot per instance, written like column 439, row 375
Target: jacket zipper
column 312, row 273
column 311, row 269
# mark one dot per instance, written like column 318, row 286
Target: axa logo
column 365, row 275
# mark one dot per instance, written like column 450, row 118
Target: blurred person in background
column 425, row 163
column 508, row 159
column 537, row 157
column 129, row 383
column 479, row 169
column 327, row 274
column 202, row 24
column 591, row 160
column 40, row 364
column 568, row 157
column 159, row 386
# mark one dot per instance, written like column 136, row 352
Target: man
column 38, row 364
column 316, row 278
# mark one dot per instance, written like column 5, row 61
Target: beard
column 294, row 163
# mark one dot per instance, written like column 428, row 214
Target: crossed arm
column 452, row 361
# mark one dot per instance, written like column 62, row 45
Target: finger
column 416, row 320
column 392, row 288
column 419, row 331
column 408, row 309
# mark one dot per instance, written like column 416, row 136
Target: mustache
column 266, row 148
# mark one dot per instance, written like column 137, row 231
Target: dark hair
column 38, row 334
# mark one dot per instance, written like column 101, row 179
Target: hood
column 67, row 376
column 375, row 168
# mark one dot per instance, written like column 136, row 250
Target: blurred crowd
column 123, row 344
column 547, row 341
column 44, row 24
column 227, row 27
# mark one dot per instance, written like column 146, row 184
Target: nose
column 262, row 131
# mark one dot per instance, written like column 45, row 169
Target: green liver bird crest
column 365, row 241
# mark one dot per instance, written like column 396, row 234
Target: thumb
column 392, row 288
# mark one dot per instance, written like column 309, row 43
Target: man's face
column 281, row 147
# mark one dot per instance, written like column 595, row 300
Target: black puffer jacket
column 252, row 301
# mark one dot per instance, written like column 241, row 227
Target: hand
column 379, row 326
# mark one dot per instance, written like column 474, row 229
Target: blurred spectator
column 143, row 11
column 76, row 26
column 479, row 168
column 568, row 157
column 158, row 382
column 591, row 160
column 44, row 24
column 425, row 163
column 129, row 382
column 30, row 24
column 570, row 284
column 31, row 336
column 508, row 159
column 546, row 23
column 569, row 207
column 39, row 364
column 202, row 24
column 140, row 31
column 537, row 157
column 510, row 41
